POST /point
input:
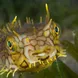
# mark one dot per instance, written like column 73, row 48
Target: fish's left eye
column 9, row 44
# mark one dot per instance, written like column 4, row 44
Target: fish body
column 31, row 49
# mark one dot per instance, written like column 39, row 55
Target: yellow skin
column 33, row 52
column 43, row 46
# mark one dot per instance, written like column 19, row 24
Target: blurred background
column 65, row 14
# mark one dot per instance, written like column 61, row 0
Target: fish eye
column 9, row 44
column 56, row 29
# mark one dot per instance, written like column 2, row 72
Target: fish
column 29, row 47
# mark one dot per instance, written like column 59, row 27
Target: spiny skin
column 33, row 49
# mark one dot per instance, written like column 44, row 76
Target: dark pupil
column 9, row 44
column 56, row 29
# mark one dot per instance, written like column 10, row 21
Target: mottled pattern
column 31, row 48
column 36, row 48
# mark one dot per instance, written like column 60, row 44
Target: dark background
column 64, row 12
